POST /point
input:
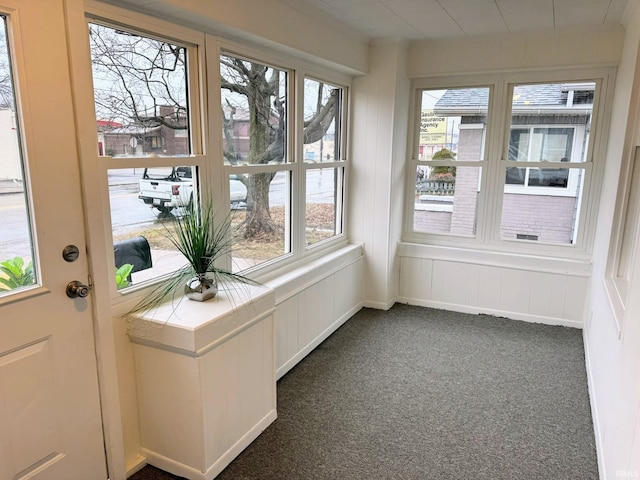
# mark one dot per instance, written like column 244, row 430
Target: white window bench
column 206, row 379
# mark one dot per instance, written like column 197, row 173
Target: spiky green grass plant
column 204, row 238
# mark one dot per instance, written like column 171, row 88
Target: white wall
column 613, row 345
column 294, row 29
column 376, row 183
column 551, row 291
column 313, row 301
column 549, row 50
column 524, row 287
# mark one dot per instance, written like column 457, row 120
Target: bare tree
column 6, row 81
column 137, row 77
column 259, row 92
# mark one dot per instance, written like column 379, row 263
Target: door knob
column 77, row 289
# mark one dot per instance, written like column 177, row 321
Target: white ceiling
column 435, row 19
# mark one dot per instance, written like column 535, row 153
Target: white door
column 50, row 420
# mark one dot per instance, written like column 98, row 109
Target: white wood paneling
column 376, row 175
column 286, row 321
column 417, row 272
column 206, row 377
column 304, row 317
column 488, row 287
column 515, row 290
column 558, row 294
column 472, row 285
column 596, row 47
column 541, row 292
column 575, row 298
column 520, row 293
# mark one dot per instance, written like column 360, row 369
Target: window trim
column 440, row 83
column 298, row 70
column 571, row 189
column 206, row 140
column 194, row 45
column 491, row 199
column 626, row 228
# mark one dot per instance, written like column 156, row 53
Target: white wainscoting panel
column 314, row 302
column 206, row 380
column 555, row 297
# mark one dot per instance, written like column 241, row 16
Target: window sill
column 295, row 277
column 580, row 267
column 193, row 328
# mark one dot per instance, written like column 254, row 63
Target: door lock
column 77, row 289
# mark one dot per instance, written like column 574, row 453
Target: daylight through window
column 543, row 158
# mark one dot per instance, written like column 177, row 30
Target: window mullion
column 494, row 185
column 298, row 174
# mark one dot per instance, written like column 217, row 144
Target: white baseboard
column 597, row 428
column 135, row 465
column 525, row 317
column 186, row 471
column 380, row 305
column 307, row 349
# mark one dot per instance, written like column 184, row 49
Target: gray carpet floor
column 418, row 393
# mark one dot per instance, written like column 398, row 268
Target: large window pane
column 452, row 130
column 322, row 143
column 16, row 245
column 550, row 124
column 254, row 132
column 322, row 114
column 262, row 229
column 446, row 202
column 322, row 218
column 453, row 120
column 144, row 204
column 140, row 89
column 543, row 215
column 254, row 114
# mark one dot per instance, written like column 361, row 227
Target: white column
column 376, row 189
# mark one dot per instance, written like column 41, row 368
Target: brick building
column 166, row 134
column 549, row 123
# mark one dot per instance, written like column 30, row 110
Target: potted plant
column 203, row 238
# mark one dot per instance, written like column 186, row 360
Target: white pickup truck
column 166, row 188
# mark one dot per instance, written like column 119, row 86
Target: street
column 14, row 232
column 129, row 213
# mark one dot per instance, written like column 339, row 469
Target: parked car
column 166, row 188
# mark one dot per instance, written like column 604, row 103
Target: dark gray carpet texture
column 418, row 393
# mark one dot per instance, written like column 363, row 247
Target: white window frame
column 206, row 137
column 414, row 161
column 338, row 164
column 624, row 234
column 573, row 179
column 194, row 43
column 297, row 70
column 491, row 195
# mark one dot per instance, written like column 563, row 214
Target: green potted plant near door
column 204, row 239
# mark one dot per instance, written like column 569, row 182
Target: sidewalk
column 120, row 177
column 10, row 186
